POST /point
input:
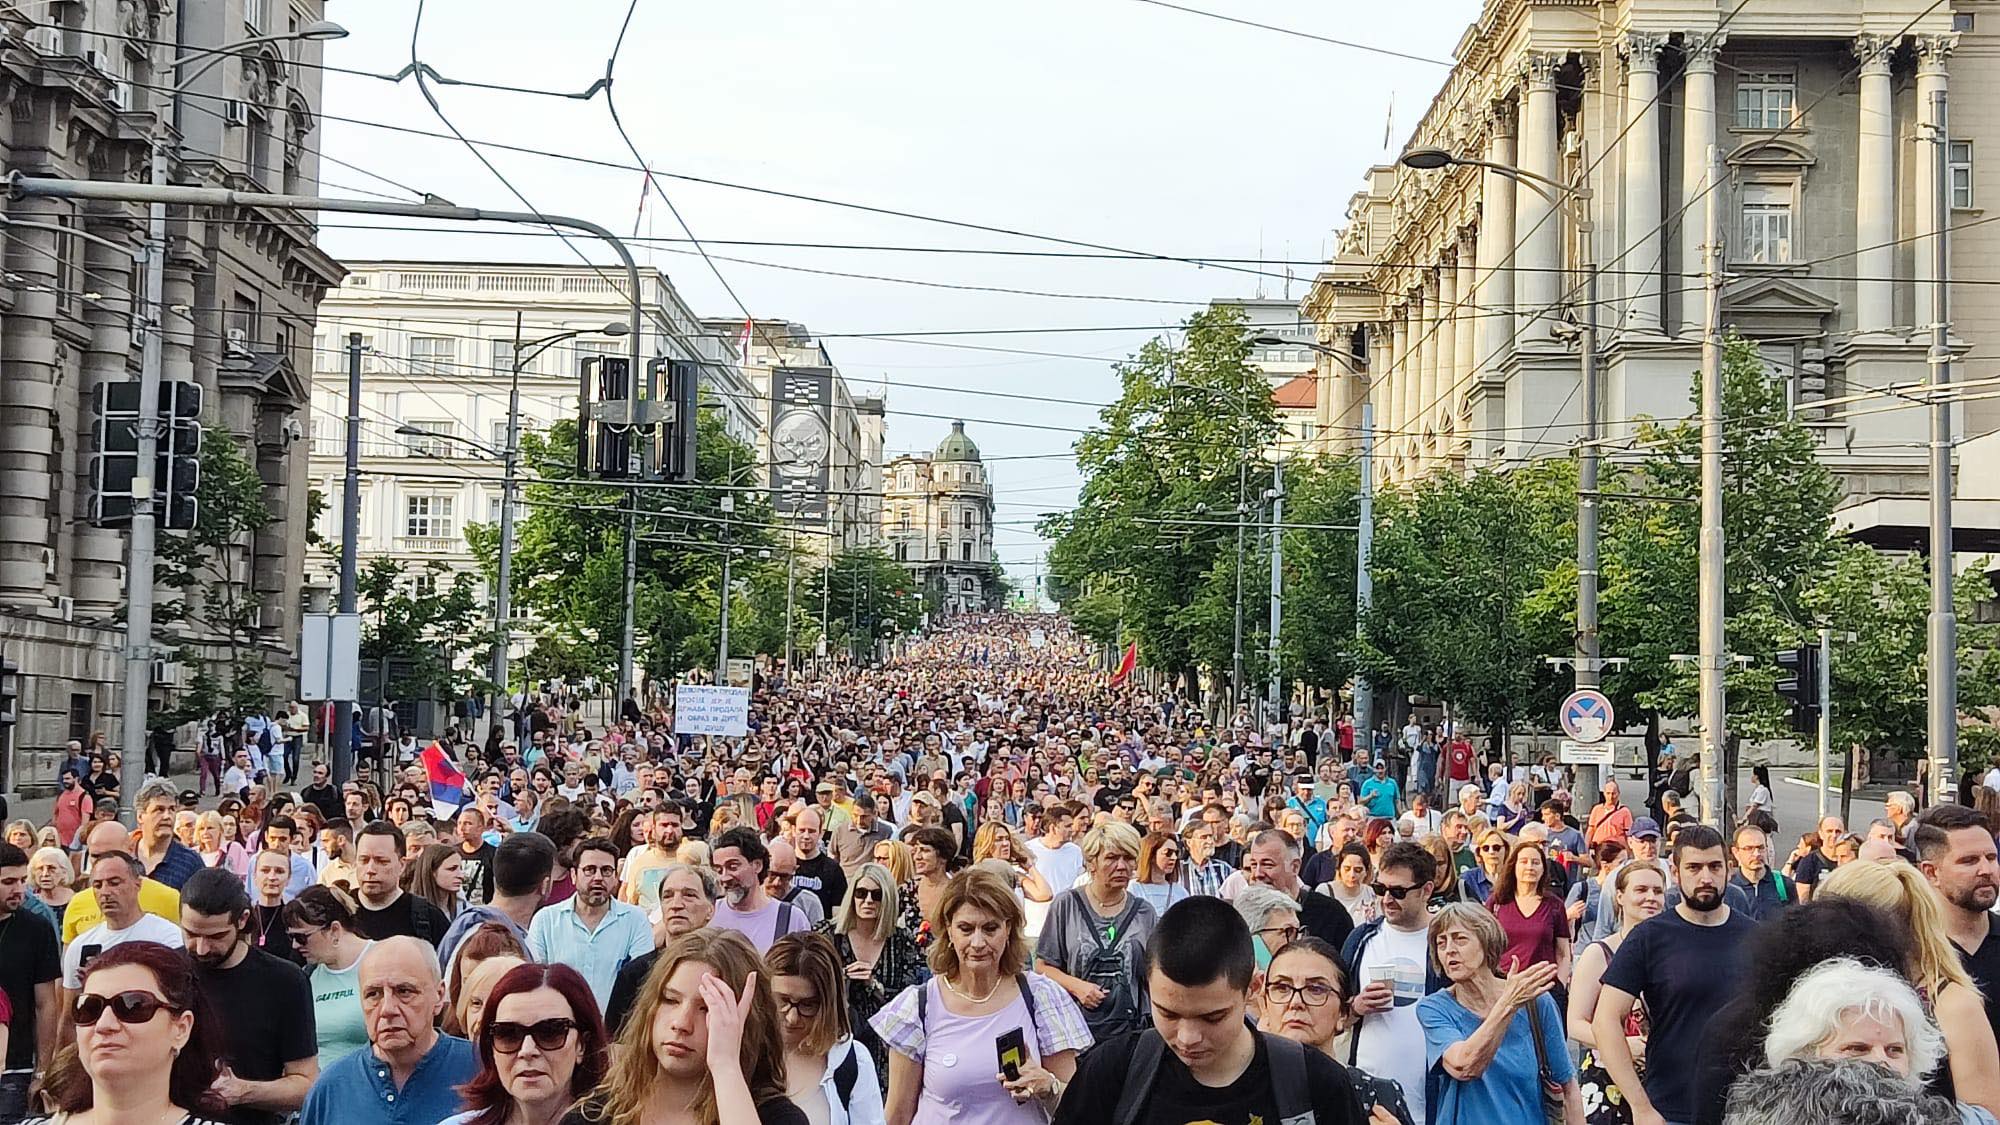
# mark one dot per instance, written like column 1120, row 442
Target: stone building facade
column 85, row 82
column 937, row 516
column 1454, row 292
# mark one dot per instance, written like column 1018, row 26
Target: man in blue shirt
column 410, row 1073
column 1381, row 793
column 591, row 931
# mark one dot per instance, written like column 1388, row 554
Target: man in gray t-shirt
column 1099, row 959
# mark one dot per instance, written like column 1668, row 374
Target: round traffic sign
column 1586, row 715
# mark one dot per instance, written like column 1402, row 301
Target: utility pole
column 140, row 549
column 1943, row 624
column 1364, row 581
column 1236, row 657
column 1277, row 585
column 791, row 558
column 728, row 506
column 1589, row 665
column 350, row 549
column 1825, row 713
column 503, row 621
column 1713, row 661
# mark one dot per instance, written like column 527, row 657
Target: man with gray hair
column 1901, row 810
column 410, row 1073
column 114, row 878
column 1815, row 1091
column 687, row 903
column 167, row 860
column 1273, row 861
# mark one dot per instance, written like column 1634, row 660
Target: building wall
column 1449, row 284
column 241, row 289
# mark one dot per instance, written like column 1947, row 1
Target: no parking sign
column 1586, row 715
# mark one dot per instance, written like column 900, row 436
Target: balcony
column 428, row 545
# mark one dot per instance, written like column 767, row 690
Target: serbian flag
column 1126, row 663
column 447, row 782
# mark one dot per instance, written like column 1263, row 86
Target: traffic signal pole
column 1825, row 714
column 160, row 195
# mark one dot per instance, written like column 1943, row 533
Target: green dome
column 956, row 446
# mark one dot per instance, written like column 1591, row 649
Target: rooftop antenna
column 1260, row 263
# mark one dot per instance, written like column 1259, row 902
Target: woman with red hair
column 146, row 1041
column 541, row 1047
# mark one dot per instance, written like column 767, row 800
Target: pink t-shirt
column 763, row 926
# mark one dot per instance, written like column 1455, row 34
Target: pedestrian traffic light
column 1798, row 685
column 115, row 461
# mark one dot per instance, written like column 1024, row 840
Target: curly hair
column 1809, row 1091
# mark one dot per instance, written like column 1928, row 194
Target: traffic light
column 676, row 443
column 1798, row 684
column 604, row 447
column 10, row 693
column 115, row 460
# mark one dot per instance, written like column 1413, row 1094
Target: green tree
column 868, row 597
column 210, row 607
column 1165, row 471
column 424, row 631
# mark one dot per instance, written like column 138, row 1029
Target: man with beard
column 741, row 862
column 30, row 966
column 1956, row 853
column 1678, row 962
column 591, row 931
column 687, row 903
column 271, row 1053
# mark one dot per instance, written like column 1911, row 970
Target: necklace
column 967, row 996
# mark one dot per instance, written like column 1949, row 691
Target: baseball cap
column 189, row 798
column 823, row 787
column 1646, row 826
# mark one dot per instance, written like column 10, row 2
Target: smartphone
column 89, row 954
column 1013, row 1049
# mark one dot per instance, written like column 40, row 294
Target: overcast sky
column 1106, row 121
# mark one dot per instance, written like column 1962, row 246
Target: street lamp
column 140, row 557
column 1364, row 583
column 1588, row 665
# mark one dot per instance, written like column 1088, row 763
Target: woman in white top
column 1760, row 793
column 827, row 1075
column 1350, row 886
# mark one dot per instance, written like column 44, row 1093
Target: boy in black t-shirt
column 1201, row 1061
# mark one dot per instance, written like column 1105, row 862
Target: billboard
column 801, row 441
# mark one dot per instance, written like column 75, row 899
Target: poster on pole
column 801, row 453
column 704, row 709
column 330, row 657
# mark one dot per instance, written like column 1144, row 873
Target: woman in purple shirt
column 1533, row 919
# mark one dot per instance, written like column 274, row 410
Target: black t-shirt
column 326, row 798
column 625, row 990
column 823, row 877
column 267, row 932
column 29, row 955
column 1813, row 867
column 1680, row 970
column 1984, row 966
column 1178, row 1099
column 409, row 916
column 478, row 867
column 269, row 1024
column 1323, row 917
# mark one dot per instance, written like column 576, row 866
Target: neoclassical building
column 937, row 516
column 1455, row 292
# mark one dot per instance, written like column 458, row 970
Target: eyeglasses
column 1492, row 847
column 135, row 1006
column 805, row 1009
column 1291, row 933
column 301, row 937
column 1312, row 993
column 1384, row 890
column 867, row 894
column 549, row 1034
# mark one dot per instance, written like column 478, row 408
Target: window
column 595, row 347
column 1766, row 99
column 428, row 517
column 241, row 325
column 257, row 14
column 903, row 521
column 902, row 551
column 1958, row 165
column 503, row 357
column 1767, row 224
column 432, row 355
column 435, row 441
column 424, row 585
column 965, row 551
column 499, row 438
column 966, row 521
column 79, row 716
column 1962, row 21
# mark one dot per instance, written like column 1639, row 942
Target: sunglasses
column 1384, row 890
column 130, row 1007
column 301, row 937
column 1492, row 847
column 549, row 1034
column 867, row 894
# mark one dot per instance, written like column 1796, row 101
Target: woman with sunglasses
column 1162, row 878
column 1490, row 853
column 878, row 959
column 542, row 1048
column 146, row 1044
column 320, row 923
column 827, row 1074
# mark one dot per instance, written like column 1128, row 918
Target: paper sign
column 701, row 709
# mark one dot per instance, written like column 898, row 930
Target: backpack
column 1106, row 968
column 1288, row 1078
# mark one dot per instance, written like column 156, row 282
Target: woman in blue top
column 1480, row 1033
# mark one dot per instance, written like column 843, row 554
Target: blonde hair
column 1110, row 836
column 845, row 921
column 479, row 981
column 57, row 858
column 990, row 833
column 694, row 853
column 635, row 1067
column 980, row 889
column 1901, row 890
column 900, row 866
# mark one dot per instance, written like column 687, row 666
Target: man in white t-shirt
column 1057, row 859
column 115, row 879
column 1386, row 966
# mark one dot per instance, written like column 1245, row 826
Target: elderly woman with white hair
column 1273, row 918
column 1843, row 1009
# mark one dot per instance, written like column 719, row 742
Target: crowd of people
column 980, row 885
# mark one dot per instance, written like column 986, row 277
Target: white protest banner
column 700, row 709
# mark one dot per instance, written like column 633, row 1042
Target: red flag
column 1126, row 663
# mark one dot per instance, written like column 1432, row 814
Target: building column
column 1700, row 131
column 1469, row 321
column 1496, row 244
column 28, row 404
column 1392, row 394
column 1424, row 374
column 1441, row 382
column 1875, row 200
column 1932, row 54
column 1538, row 280
column 1645, row 248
